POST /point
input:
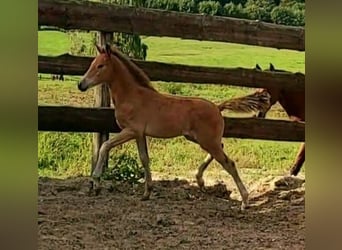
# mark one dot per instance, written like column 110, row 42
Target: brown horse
column 293, row 102
column 142, row 111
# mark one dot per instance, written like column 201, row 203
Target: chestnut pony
column 293, row 102
column 142, row 111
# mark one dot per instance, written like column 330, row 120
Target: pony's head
column 100, row 70
column 273, row 92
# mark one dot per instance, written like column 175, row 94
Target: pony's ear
column 99, row 49
column 272, row 68
column 257, row 67
column 108, row 49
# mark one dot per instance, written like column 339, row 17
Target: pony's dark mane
column 139, row 75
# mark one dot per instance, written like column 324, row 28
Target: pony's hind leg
column 202, row 168
column 229, row 165
column 208, row 159
column 299, row 160
column 143, row 154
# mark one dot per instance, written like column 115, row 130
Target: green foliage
column 259, row 9
column 188, row 6
column 125, row 168
column 237, row 2
column 210, row 8
column 234, row 10
column 172, row 5
column 131, row 45
column 59, row 151
column 81, row 43
column 174, row 89
column 291, row 2
column 250, row 9
column 289, row 15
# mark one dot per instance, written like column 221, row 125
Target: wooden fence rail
column 157, row 71
column 77, row 119
column 115, row 18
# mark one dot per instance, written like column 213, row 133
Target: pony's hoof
column 200, row 184
column 97, row 191
column 94, row 186
column 202, row 188
column 244, row 206
column 145, row 197
column 91, row 187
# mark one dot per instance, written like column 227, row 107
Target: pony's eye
column 100, row 66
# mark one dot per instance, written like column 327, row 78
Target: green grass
column 174, row 50
column 53, row 43
column 68, row 154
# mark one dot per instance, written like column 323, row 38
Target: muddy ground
column 178, row 216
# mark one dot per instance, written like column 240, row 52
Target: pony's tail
column 251, row 103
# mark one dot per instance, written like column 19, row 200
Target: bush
column 188, row 6
column 172, row 5
column 237, row 2
column 259, row 9
column 210, row 8
column 153, row 4
column 288, row 16
column 125, row 168
column 163, row 4
column 291, row 2
column 233, row 10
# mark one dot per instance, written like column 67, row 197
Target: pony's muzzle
column 82, row 86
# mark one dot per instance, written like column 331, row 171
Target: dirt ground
column 178, row 216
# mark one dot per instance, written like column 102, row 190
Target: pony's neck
column 122, row 85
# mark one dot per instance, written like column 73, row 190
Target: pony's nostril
column 80, row 87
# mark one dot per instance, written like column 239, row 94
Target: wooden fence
column 79, row 119
column 96, row 16
column 157, row 71
column 112, row 18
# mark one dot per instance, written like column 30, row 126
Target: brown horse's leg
column 208, row 159
column 300, row 158
column 124, row 136
column 201, row 169
column 145, row 160
column 199, row 176
column 229, row 166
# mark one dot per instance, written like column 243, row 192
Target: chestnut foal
column 142, row 111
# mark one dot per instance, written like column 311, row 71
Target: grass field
column 68, row 154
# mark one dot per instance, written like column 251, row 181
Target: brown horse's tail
column 258, row 101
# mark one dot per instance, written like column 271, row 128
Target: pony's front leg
column 124, row 136
column 145, row 160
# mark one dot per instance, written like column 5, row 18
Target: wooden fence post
column 102, row 99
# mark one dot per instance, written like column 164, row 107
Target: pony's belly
column 162, row 131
